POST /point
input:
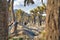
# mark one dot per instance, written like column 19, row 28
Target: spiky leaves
column 27, row 2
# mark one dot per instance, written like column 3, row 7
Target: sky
column 19, row 4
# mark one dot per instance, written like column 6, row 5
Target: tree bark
column 3, row 20
column 52, row 31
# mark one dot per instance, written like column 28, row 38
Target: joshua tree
column 11, row 13
column 33, row 16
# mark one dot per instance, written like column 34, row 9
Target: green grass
column 14, row 38
column 20, row 38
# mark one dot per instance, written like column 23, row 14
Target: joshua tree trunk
column 13, row 10
column 34, row 19
column 3, row 20
column 40, row 20
column 11, row 14
column 52, row 22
